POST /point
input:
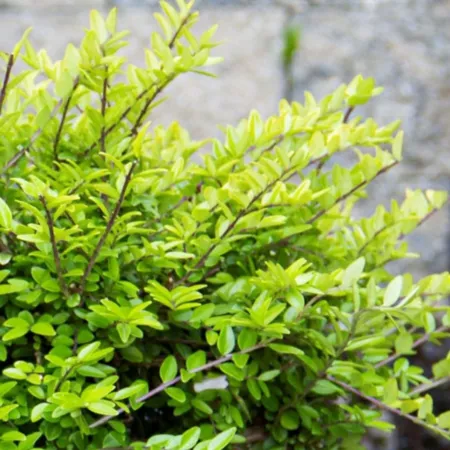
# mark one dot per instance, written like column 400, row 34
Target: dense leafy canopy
column 149, row 300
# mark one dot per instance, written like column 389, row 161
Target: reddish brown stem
column 9, row 67
column 61, row 123
column 416, row 344
column 177, row 379
column 56, row 257
column 108, row 228
column 348, row 113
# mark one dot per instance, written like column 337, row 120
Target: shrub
column 152, row 301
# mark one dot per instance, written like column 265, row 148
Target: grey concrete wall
column 404, row 44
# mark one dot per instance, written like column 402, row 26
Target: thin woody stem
column 349, row 193
column 147, row 105
column 348, row 113
column 231, row 226
column 142, row 95
column 380, row 405
column 104, row 103
column 429, row 386
column 403, row 235
column 423, row 220
column 283, row 242
column 163, row 386
column 56, row 257
column 9, row 67
column 425, row 338
column 62, row 121
column 16, row 158
column 150, row 100
column 108, row 228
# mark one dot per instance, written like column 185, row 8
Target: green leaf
column 286, row 349
column 397, row 146
column 426, row 407
column 102, row 407
column 128, row 392
column 325, row 387
column 202, row 406
column 247, row 338
column 124, row 330
column 38, row 411
column 353, row 272
column 232, row 371
column 5, row 216
column 222, row 439
column 269, row 375
column 226, row 341
column 196, row 360
column 88, row 350
column 111, row 21
column 30, row 441
column 168, row 370
column 43, row 329
column 393, row 291
column 176, row 393
column 403, row 343
column 14, row 373
column 211, row 337
column 189, row 438
column 91, row 371
column 98, row 25
column 13, row 436
column 15, row 333
column 64, row 84
column 444, row 420
column 5, row 258
column 290, row 420
column 295, row 299
column 390, row 391
column 370, row 341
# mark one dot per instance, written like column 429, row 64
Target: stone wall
column 404, row 44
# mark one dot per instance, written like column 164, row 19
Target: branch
column 63, row 119
column 403, row 235
column 369, row 241
column 176, row 34
column 163, row 386
column 417, row 343
column 147, row 105
column 145, row 92
column 104, row 102
column 428, row 386
column 108, row 228
column 242, row 213
column 339, row 351
column 350, row 192
column 348, row 113
column 381, row 405
column 423, row 220
column 320, row 213
column 56, row 257
column 16, row 158
column 6, row 80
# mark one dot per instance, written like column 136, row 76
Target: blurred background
column 280, row 48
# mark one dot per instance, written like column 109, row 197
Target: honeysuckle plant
column 154, row 299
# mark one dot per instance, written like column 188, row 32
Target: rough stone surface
column 405, row 46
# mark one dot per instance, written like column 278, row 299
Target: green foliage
column 149, row 300
column 291, row 44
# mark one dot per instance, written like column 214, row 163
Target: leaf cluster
column 152, row 299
